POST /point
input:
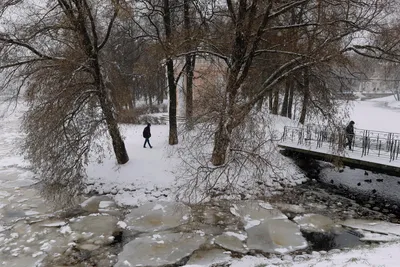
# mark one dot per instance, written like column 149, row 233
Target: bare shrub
column 253, row 168
column 61, row 125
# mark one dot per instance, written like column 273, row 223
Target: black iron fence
column 366, row 142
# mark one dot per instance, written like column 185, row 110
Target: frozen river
column 20, row 203
column 32, row 232
column 27, row 230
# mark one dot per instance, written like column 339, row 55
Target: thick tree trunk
column 230, row 116
column 106, row 106
column 304, row 107
column 222, row 137
column 221, row 143
column 112, row 126
column 173, row 126
column 190, row 63
column 105, row 103
column 306, row 97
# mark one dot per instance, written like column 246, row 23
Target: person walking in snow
column 147, row 135
column 349, row 134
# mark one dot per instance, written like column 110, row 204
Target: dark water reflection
column 332, row 240
column 365, row 183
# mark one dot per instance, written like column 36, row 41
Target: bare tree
column 56, row 57
column 252, row 163
column 156, row 21
column 325, row 34
column 175, row 27
column 265, row 44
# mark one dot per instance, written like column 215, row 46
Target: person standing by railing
column 349, row 134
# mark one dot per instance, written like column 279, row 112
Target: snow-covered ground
column 155, row 168
column 149, row 169
column 150, row 174
column 385, row 255
column 381, row 114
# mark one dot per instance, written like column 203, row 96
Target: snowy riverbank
column 150, row 176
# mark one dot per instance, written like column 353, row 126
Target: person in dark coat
column 147, row 135
column 350, row 134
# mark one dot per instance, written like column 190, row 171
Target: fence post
column 393, row 150
column 388, row 142
column 284, row 133
column 300, row 140
column 363, row 144
column 379, row 151
column 390, row 151
column 291, row 135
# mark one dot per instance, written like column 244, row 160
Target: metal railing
column 366, row 142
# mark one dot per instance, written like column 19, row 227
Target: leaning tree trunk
column 223, row 134
column 225, row 127
column 222, row 141
column 106, row 106
column 112, row 126
column 92, row 51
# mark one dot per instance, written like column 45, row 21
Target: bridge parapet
column 367, row 142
